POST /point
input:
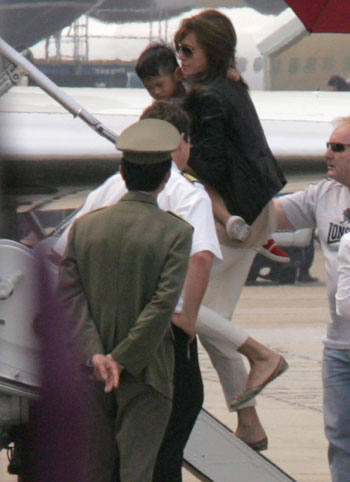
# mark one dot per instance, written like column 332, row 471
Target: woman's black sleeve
column 208, row 154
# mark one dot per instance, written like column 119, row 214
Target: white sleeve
column 300, row 207
column 342, row 297
column 109, row 193
column 198, row 212
column 192, row 203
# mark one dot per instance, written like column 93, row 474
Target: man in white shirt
column 327, row 207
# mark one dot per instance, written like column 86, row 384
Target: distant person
column 337, row 83
column 120, row 282
column 326, row 206
column 160, row 73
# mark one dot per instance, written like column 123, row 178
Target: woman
column 230, row 150
column 231, row 155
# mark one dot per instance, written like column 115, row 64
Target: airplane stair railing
column 21, row 66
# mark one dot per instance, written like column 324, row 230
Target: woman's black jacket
column 230, row 151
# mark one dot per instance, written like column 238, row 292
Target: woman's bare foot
column 249, row 428
column 266, row 365
column 262, row 369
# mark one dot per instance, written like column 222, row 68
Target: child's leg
column 219, row 207
column 272, row 251
column 236, row 227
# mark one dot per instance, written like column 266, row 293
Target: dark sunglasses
column 337, row 146
column 186, row 50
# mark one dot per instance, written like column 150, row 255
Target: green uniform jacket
column 120, row 279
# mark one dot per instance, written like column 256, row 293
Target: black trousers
column 187, row 403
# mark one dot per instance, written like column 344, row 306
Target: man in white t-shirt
column 327, row 207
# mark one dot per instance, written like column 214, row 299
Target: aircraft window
column 276, row 66
column 258, row 64
column 294, row 63
column 242, row 64
column 310, row 65
column 328, row 63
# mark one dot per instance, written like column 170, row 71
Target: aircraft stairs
column 214, row 454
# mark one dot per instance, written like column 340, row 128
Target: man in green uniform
column 120, row 279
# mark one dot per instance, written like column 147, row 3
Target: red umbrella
column 323, row 16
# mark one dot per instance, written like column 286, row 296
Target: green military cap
column 148, row 141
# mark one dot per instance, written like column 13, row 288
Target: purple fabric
column 59, row 431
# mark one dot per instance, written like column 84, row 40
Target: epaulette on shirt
column 190, row 178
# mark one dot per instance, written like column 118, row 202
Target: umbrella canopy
column 323, row 16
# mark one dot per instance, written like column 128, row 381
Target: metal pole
column 54, row 91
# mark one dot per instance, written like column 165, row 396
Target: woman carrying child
column 231, row 155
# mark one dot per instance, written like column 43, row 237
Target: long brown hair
column 216, row 36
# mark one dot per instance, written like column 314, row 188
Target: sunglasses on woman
column 337, row 146
column 186, row 50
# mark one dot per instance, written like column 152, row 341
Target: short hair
column 338, row 82
column 156, row 59
column 342, row 121
column 171, row 112
column 144, row 177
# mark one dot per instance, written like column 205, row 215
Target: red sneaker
column 272, row 251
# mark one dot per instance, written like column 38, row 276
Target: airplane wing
column 297, row 124
column 35, row 126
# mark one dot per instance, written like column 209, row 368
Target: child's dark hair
column 156, row 59
column 144, row 177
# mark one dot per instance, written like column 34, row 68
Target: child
column 159, row 71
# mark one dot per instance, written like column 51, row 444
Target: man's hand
column 185, row 325
column 106, row 370
column 195, row 285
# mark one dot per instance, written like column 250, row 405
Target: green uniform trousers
column 138, row 425
column 142, row 418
